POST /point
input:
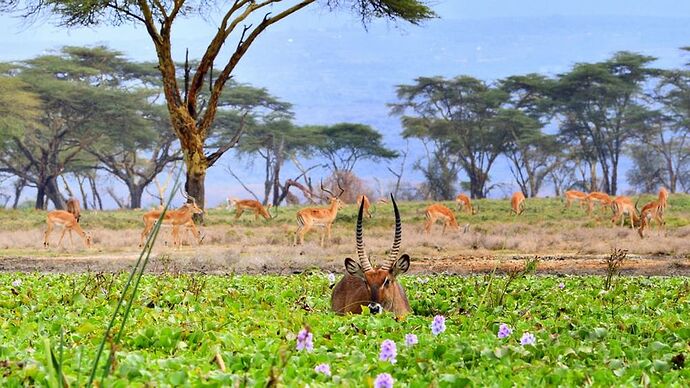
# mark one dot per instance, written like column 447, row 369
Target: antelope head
column 374, row 287
column 334, row 198
column 195, row 209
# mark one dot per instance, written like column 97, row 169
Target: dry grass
column 248, row 246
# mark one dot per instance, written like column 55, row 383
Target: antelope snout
column 375, row 308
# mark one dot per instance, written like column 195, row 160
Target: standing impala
column 362, row 199
column 315, row 216
column 68, row 222
column 621, row 206
column 374, row 287
column 653, row 211
column 597, row 196
column 176, row 218
column 436, row 212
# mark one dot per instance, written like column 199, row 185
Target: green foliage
column 634, row 332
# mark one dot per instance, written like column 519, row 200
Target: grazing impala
column 623, row 206
column 68, row 222
column 309, row 217
column 575, row 196
column 436, row 212
column 374, row 287
column 74, row 207
column 363, row 199
column 465, row 204
column 653, row 211
column 176, row 218
column 251, row 205
column 517, row 203
column 603, row 199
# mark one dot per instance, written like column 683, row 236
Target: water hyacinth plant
column 384, row 380
column 411, row 340
column 438, row 326
column 527, row 339
column 504, row 331
column 323, row 369
column 388, row 351
column 305, row 340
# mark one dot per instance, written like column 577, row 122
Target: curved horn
column 326, row 190
column 341, row 189
column 395, row 250
column 363, row 259
column 187, row 196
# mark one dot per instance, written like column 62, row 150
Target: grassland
column 561, row 237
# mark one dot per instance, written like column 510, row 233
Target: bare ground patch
column 268, row 249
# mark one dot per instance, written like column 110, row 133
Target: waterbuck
column 377, row 288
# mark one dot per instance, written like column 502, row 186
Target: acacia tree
column 601, row 105
column 533, row 155
column 191, row 115
column 344, row 144
column 459, row 119
column 74, row 113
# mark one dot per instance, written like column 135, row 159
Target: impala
column 176, row 218
column 374, row 287
column 436, row 212
column 309, row 217
column 575, row 196
column 465, row 204
column 653, row 211
column 67, row 222
column 623, row 206
column 251, row 205
column 74, row 207
column 517, row 203
column 603, row 199
column 364, row 200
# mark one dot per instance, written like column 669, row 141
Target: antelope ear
column 354, row 268
column 401, row 265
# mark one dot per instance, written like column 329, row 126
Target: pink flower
column 323, row 368
column 305, row 340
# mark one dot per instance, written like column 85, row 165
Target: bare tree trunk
column 19, row 185
column 94, row 192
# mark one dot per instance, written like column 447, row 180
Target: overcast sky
column 334, row 70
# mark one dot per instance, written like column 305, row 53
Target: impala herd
column 623, row 208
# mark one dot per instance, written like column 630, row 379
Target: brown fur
column 363, row 198
column 603, row 199
column 621, row 206
column 654, row 211
column 252, row 205
column 176, row 218
column 357, row 289
column 517, row 203
column 465, row 203
column 68, row 222
column 309, row 217
column 575, row 196
column 74, row 207
column 436, row 212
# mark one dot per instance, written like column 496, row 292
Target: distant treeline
column 88, row 113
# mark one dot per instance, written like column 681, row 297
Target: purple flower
column 438, row 326
column 527, row 339
column 323, row 368
column 384, row 380
column 331, row 278
column 504, row 331
column 17, row 283
column 411, row 339
column 388, row 351
column 561, row 285
column 305, row 340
